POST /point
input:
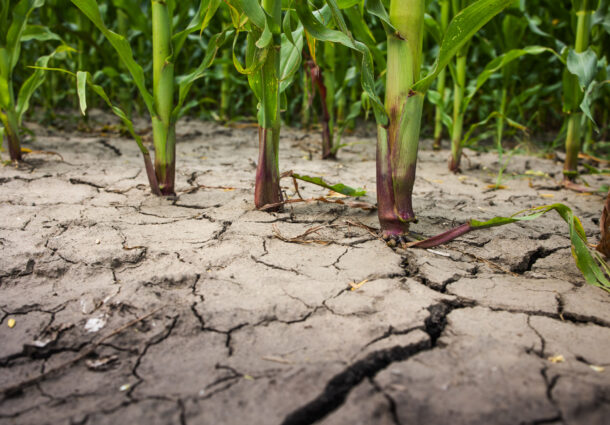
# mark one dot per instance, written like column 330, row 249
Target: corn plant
column 273, row 55
column 585, row 70
column 161, row 105
column 578, row 75
column 13, row 31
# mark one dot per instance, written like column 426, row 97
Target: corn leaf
column 290, row 57
column 433, row 28
column 460, row 30
column 30, row 85
column 590, row 95
column 21, row 12
column 121, row 46
column 339, row 187
column 185, row 82
column 39, row 33
column 583, row 65
column 363, row 33
column 316, row 29
column 375, row 8
column 590, row 263
column 81, row 76
column 498, row 63
column 207, row 9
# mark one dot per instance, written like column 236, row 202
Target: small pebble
column 11, row 323
column 97, row 241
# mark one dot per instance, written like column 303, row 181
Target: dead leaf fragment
column 357, row 285
column 276, row 359
column 557, row 359
column 547, row 195
column 101, row 364
column 597, row 368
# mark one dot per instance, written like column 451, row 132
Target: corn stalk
column 163, row 107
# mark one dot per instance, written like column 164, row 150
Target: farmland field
column 249, row 326
column 302, row 212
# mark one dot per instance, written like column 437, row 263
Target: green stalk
column 164, row 128
column 397, row 143
column 500, row 120
column 458, row 114
column 305, row 103
column 225, row 93
column 328, row 101
column 438, row 117
column 267, row 189
column 573, row 137
column 7, row 107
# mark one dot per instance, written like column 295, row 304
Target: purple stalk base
column 165, row 175
column 395, row 212
column 443, row 238
column 14, row 147
column 604, row 223
column 267, row 187
column 150, row 173
column 327, row 142
column 454, row 164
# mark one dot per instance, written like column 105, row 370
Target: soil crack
column 338, row 388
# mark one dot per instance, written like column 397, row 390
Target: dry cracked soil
column 120, row 307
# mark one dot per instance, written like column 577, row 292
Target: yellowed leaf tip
column 357, row 285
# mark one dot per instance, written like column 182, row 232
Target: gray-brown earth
column 498, row 327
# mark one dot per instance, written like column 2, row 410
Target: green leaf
column 583, row 65
column 375, row 8
column 199, row 22
column 254, row 12
column 290, row 57
column 346, row 4
column 81, row 90
column 30, row 85
column 254, row 60
column 339, row 187
column 21, row 13
column 185, row 82
column 590, row 95
column 433, row 28
column 588, row 263
column 498, row 63
column 39, row 33
column 460, row 30
column 121, row 46
column 316, row 29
